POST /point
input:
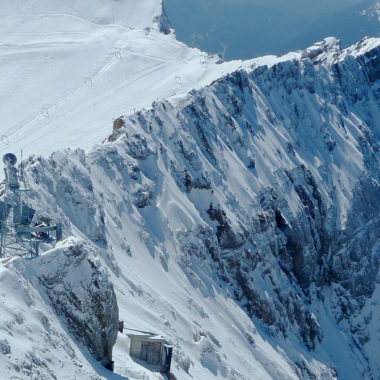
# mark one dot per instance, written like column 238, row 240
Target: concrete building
column 150, row 348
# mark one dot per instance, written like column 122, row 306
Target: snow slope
column 127, row 13
column 85, row 68
column 31, row 335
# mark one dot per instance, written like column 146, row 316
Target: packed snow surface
column 68, row 68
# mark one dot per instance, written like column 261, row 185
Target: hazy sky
column 249, row 28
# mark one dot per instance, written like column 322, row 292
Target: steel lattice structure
column 18, row 235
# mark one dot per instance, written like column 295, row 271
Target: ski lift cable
column 63, row 98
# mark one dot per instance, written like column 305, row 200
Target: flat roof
column 143, row 335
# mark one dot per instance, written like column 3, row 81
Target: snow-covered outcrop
column 35, row 343
column 79, row 290
column 243, row 221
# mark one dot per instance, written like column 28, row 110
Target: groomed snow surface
column 68, row 68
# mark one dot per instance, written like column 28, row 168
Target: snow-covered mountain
column 239, row 219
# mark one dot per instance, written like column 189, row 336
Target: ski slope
column 67, row 70
column 128, row 13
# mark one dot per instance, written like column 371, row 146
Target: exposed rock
column 163, row 21
column 5, row 348
column 118, row 123
column 142, row 197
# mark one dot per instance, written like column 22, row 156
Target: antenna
column 22, row 170
column 9, row 159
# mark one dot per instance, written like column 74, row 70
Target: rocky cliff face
column 266, row 183
column 298, row 143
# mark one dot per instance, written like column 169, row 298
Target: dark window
column 151, row 352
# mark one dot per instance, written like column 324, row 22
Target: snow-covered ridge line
column 327, row 52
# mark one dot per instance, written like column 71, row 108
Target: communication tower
column 20, row 233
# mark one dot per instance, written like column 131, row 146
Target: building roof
column 145, row 335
